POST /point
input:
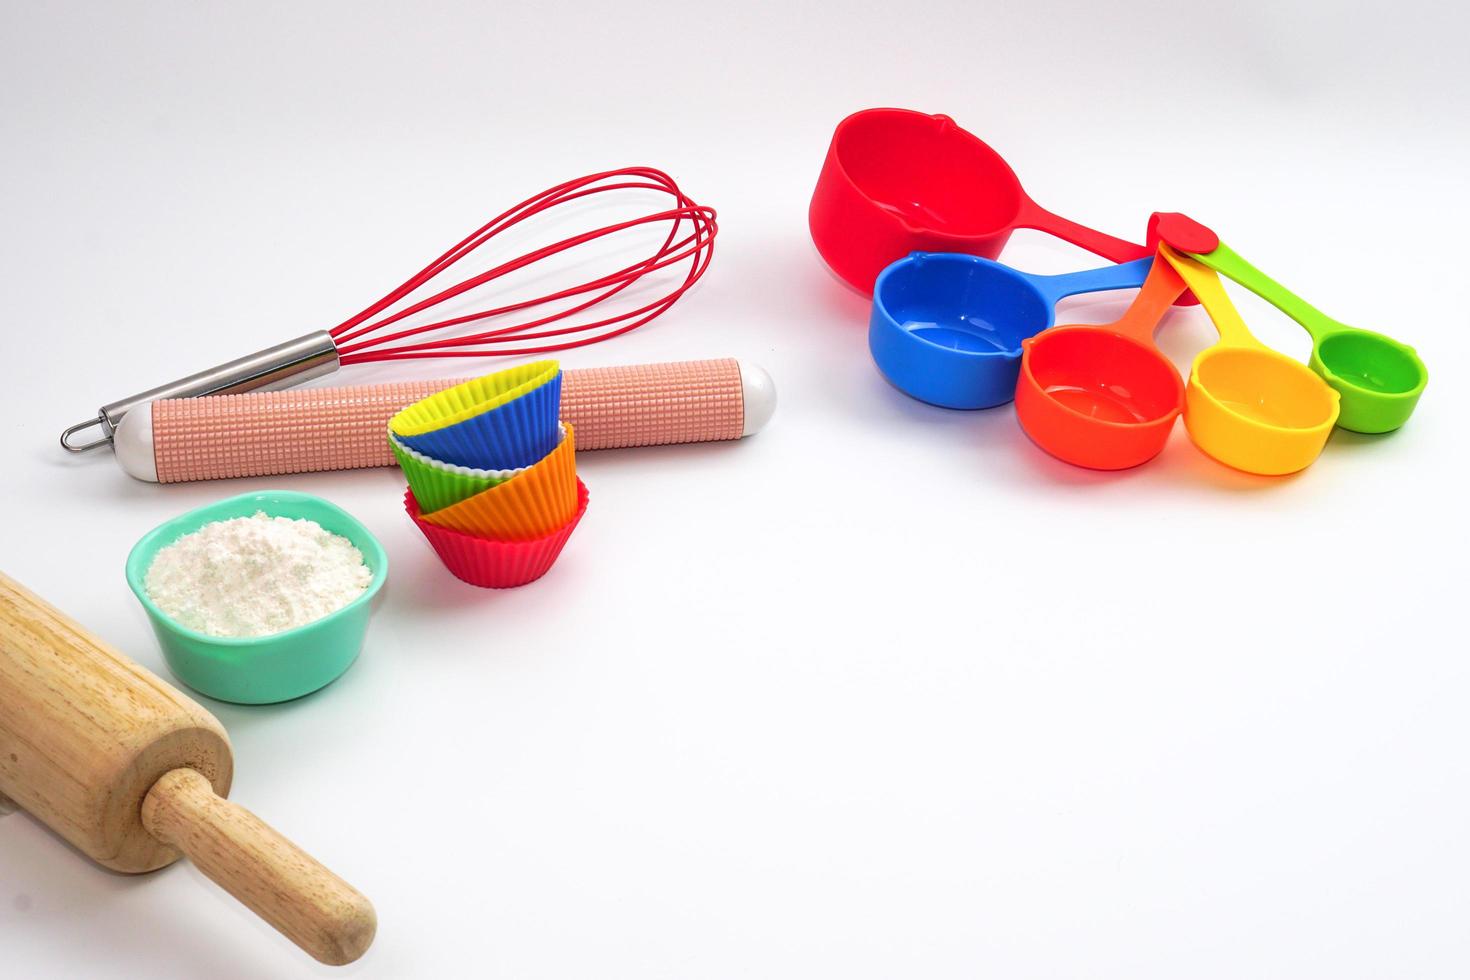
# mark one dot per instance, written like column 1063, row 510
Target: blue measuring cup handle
column 1127, row 275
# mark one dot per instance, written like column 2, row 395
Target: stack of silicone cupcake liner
column 538, row 500
column 493, row 525
column 499, row 422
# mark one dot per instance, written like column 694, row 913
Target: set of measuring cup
column 492, row 474
column 913, row 209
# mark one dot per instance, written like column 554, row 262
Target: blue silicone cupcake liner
column 473, row 397
column 515, row 434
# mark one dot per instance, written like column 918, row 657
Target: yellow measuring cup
column 1247, row 405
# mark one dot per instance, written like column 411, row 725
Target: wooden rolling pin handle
column 277, row 880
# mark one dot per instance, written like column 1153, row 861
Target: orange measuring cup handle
column 1160, row 290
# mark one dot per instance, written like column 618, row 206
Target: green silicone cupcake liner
column 436, row 484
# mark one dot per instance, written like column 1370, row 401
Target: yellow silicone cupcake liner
column 530, row 504
column 471, row 398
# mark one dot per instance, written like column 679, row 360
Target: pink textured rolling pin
column 307, row 429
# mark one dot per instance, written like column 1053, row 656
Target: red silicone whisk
column 584, row 312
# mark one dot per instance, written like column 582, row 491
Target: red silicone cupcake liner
column 494, row 564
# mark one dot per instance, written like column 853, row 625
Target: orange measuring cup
column 1103, row 395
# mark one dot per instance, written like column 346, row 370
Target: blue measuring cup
column 947, row 328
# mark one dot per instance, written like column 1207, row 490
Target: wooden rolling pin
column 134, row 774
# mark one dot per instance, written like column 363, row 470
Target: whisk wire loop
column 690, row 239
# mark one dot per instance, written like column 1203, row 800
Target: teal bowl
column 262, row 669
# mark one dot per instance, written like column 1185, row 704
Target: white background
column 883, row 692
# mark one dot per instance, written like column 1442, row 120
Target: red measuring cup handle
column 1033, row 215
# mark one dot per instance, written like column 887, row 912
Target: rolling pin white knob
column 132, row 444
column 758, row 397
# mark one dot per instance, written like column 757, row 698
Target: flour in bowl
column 254, row 576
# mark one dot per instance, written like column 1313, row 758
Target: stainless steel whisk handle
column 282, row 366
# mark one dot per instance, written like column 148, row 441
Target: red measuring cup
column 897, row 181
column 1103, row 396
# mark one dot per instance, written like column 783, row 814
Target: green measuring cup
column 1380, row 379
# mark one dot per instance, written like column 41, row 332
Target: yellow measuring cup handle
column 1211, row 294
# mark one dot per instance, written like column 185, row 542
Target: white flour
column 253, row 576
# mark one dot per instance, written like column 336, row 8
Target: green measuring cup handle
column 1227, row 261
